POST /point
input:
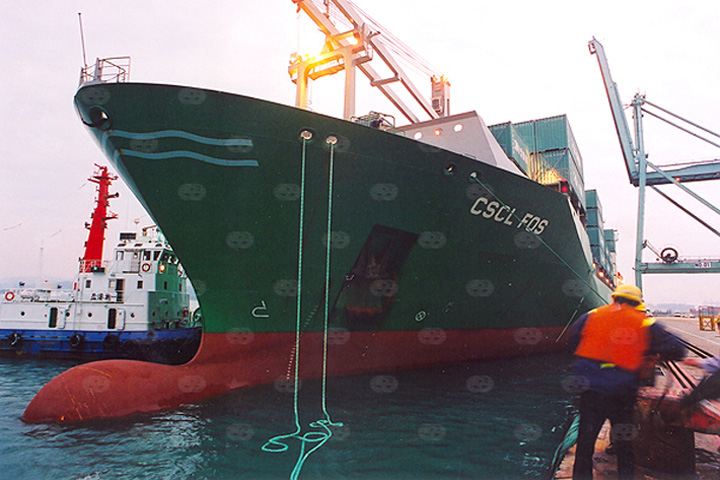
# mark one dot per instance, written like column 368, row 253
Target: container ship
column 321, row 246
column 134, row 306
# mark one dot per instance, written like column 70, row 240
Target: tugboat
column 135, row 306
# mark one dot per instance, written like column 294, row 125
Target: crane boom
column 634, row 153
column 621, row 125
column 637, row 164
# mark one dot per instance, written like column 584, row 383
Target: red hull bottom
column 227, row 361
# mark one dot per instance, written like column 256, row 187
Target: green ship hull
column 427, row 256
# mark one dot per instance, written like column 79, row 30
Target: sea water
column 489, row 420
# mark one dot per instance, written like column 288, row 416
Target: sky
column 508, row 60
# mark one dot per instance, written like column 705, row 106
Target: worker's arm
column 664, row 344
column 711, row 364
column 576, row 333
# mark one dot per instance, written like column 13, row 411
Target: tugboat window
column 88, row 283
column 112, row 319
column 140, row 285
column 120, row 290
column 52, row 323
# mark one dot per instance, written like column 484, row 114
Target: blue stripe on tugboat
column 165, row 346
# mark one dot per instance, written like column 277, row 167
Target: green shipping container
column 554, row 165
column 554, row 154
column 594, row 209
column 593, row 200
column 597, row 237
column 555, row 132
column 527, row 132
column 599, row 255
column 512, row 144
column 610, row 239
column 551, row 133
column 594, row 218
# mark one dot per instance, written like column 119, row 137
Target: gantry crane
column 636, row 163
column 353, row 39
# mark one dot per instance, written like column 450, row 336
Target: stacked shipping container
column 610, row 238
column 546, row 151
column 513, row 145
column 602, row 240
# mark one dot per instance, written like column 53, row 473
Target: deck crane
column 353, row 39
column 636, row 163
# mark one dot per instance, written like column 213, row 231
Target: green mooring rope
column 327, row 286
column 277, row 443
column 572, row 317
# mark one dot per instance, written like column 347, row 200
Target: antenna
column 82, row 40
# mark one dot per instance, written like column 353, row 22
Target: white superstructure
column 142, row 288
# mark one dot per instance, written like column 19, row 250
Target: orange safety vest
column 616, row 334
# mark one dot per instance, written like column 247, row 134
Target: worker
column 611, row 344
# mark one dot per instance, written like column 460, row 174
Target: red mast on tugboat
column 92, row 260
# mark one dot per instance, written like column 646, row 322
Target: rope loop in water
column 280, row 443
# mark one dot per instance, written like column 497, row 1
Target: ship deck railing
column 106, row 70
column 94, row 265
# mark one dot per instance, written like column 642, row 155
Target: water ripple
column 436, row 424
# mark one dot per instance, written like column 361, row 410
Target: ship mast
column 92, row 260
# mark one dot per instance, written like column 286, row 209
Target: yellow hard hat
column 641, row 306
column 631, row 292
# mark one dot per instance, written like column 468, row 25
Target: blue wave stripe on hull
column 187, row 154
column 242, row 142
column 227, row 142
